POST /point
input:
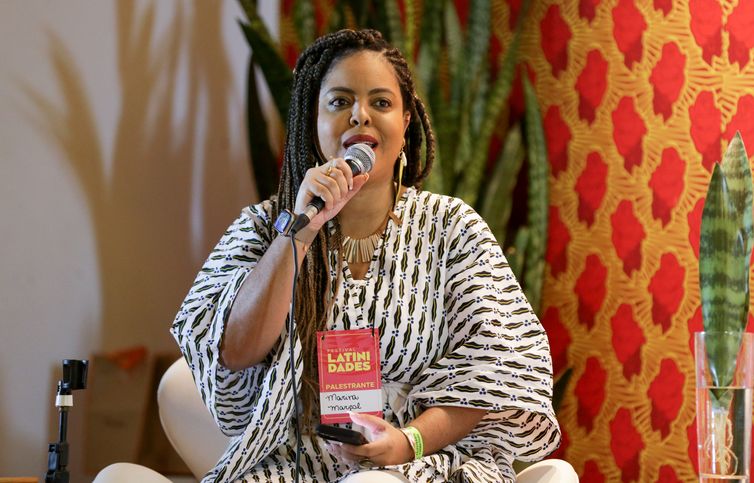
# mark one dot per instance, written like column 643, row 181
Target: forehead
column 364, row 68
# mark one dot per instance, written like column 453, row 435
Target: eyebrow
column 376, row 90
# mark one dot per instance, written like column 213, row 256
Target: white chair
column 198, row 441
column 187, row 423
column 548, row 471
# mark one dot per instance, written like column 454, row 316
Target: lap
column 376, row 476
column 128, row 473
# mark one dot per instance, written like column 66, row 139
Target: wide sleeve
column 200, row 324
column 497, row 356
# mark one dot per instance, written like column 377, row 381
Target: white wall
column 122, row 159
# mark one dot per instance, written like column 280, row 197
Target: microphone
column 360, row 159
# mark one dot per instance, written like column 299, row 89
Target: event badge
column 349, row 374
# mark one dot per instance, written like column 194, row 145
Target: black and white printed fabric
column 455, row 330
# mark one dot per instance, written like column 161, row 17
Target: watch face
column 284, row 222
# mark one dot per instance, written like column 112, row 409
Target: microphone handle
column 317, row 203
column 314, row 207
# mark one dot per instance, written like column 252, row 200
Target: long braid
column 314, row 291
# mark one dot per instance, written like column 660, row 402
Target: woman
column 464, row 360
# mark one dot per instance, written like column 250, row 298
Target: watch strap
column 284, row 222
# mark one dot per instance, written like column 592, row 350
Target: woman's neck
column 367, row 211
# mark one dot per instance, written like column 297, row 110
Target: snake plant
column 724, row 258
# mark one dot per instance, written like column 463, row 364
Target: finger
column 335, row 183
column 345, row 170
column 317, row 188
column 361, row 451
column 341, row 173
column 358, row 182
column 372, row 423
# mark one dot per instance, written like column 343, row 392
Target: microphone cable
column 291, row 338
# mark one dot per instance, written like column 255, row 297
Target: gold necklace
column 360, row 250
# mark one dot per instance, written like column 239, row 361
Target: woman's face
column 360, row 102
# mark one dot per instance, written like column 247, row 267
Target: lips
column 360, row 138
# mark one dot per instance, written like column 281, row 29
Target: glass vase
column 723, row 404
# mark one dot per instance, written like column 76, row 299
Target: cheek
column 328, row 138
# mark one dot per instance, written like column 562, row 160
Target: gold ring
column 329, row 170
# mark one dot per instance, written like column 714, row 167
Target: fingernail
column 350, row 187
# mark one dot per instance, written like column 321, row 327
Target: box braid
column 315, row 290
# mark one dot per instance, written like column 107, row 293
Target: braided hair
column 315, row 290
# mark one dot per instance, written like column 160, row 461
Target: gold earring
column 403, row 162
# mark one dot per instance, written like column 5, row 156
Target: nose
column 359, row 116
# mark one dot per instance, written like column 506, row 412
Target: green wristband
column 415, row 440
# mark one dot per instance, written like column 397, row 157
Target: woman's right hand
column 335, row 184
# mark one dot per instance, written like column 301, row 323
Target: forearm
column 260, row 308
column 444, row 425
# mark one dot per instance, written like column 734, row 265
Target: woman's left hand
column 387, row 444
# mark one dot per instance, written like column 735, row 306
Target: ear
column 406, row 121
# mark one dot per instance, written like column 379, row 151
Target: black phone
column 343, row 435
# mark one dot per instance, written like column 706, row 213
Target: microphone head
column 360, row 157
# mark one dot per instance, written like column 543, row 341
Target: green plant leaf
column 737, row 171
column 410, row 36
column 392, row 17
column 499, row 94
column 277, row 74
column 538, row 199
column 477, row 39
column 429, row 49
column 723, row 265
column 303, row 20
column 723, row 278
column 262, row 160
column 498, row 199
column 516, row 253
column 448, row 112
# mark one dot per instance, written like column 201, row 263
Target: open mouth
column 361, row 139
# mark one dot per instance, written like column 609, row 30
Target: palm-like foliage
column 466, row 101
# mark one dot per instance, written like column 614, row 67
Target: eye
column 383, row 103
column 338, row 102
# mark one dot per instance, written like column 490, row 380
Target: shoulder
column 258, row 213
column 448, row 211
column 448, row 207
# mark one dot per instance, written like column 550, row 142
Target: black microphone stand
column 74, row 377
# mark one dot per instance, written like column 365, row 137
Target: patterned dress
column 455, row 330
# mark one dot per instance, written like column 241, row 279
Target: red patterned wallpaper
column 639, row 99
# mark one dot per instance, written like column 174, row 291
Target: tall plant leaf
column 723, row 277
column 497, row 201
column 429, row 50
column 737, row 171
column 470, row 83
column 392, row 18
column 498, row 96
column 276, row 72
column 262, row 160
column 303, row 19
column 516, row 253
column 409, row 40
column 538, row 198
